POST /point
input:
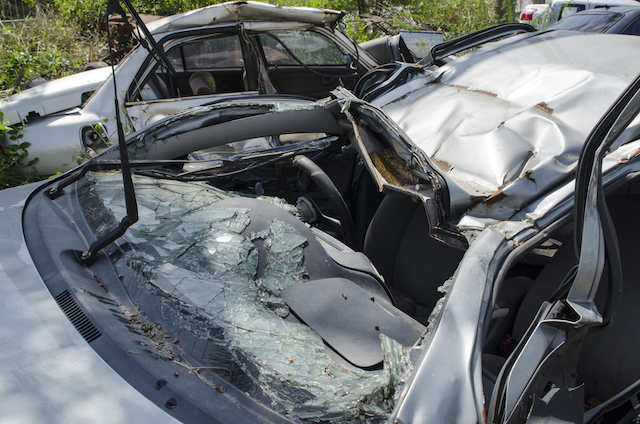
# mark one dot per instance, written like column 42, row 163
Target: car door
column 538, row 382
column 306, row 62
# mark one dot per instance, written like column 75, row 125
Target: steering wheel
column 310, row 212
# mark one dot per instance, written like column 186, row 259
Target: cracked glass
column 191, row 264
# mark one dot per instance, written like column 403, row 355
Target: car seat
column 202, row 83
column 412, row 263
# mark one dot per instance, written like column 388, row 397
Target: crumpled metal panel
column 239, row 11
column 504, row 137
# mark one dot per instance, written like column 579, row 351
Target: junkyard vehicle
column 543, row 15
column 406, row 46
column 560, row 9
column 211, row 52
column 532, row 14
column 612, row 20
column 426, row 274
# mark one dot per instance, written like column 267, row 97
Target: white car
column 559, row 9
column 214, row 51
column 532, row 14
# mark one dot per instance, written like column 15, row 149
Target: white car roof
column 241, row 11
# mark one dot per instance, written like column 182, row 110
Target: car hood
column 54, row 96
column 44, row 356
column 502, row 139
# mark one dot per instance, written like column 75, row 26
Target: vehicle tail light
column 527, row 15
column 94, row 137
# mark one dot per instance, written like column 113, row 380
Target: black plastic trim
column 79, row 320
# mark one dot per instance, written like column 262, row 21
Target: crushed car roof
column 243, row 11
column 522, row 123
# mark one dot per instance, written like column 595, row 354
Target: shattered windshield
column 190, row 265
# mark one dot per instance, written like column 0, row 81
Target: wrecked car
column 196, row 58
column 408, row 259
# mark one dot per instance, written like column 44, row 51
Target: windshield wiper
column 87, row 257
column 114, row 7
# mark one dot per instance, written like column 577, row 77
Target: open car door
column 538, row 382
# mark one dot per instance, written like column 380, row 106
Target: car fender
column 53, row 96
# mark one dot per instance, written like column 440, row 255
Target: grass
column 45, row 46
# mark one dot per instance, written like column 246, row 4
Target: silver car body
column 47, row 358
column 495, row 214
column 534, row 141
column 506, row 149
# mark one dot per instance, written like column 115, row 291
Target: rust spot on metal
column 477, row 199
column 471, row 90
column 401, row 98
column 393, row 168
column 543, row 107
column 445, row 166
column 495, row 198
column 631, row 156
column 528, row 176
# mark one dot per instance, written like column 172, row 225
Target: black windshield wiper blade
column 114, row 7
column 88, row 256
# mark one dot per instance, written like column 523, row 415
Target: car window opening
column 545, row 274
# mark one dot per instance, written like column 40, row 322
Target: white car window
column 192, row 61
column 309, row 47
column 220, row 52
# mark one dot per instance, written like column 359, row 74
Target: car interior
column 393, row 233
column 606, row 364
column 390, row 240
column 304, row 63
column 205, row 66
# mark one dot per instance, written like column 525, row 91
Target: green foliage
column 380, row 17
column 46, row 47
column 85, row 13
column 452, row 17
column 13, row 170
column 89, row 13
